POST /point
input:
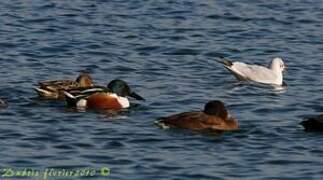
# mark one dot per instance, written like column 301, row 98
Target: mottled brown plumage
column 55, row 89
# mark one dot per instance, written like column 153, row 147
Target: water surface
column 166, row 50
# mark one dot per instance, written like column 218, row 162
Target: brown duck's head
column 216, row 108
column 84, row 80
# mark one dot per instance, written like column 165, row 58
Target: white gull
column 260, row 74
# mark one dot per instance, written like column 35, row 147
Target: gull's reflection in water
column 251, row 86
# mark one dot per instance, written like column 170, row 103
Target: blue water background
column 166, row 50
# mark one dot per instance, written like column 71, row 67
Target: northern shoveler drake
column 114, row 96
column 214, row 117
column 314, row 123
column 55, row 89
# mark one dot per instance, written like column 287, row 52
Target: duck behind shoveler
column 55, row 89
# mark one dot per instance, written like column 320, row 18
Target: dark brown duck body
column 313, row 123
column 214, row 118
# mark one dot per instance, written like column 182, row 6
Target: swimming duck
column 313, row 123
column 114, row 96
column 260, row 74
column 55, row 89
column 214, row 117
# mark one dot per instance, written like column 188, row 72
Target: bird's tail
column 224, row 61
column 46, row 93
column 160, row 122
column 71, row 100
column 68, row 95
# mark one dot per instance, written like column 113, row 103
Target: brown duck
column 214, row 117
column 55, row 89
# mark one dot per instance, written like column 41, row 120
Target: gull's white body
column 246, row 72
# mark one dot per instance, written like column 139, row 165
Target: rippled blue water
column 166, row 51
